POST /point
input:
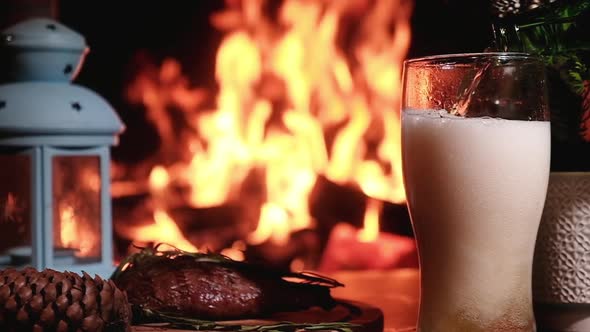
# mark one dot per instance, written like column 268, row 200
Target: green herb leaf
column 150, row 255
column 181, row 322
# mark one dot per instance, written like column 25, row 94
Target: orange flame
column 236, row 251
column 370, row 230
column 284, row 84
column 164, row 230
column 11, row 209
column 69, row 231
column 76, row 234
column 273, row 225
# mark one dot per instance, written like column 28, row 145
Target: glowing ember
column 295, row 101
column 159, row 178
column 345, row 250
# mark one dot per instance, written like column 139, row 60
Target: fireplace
column 298, row 121
column 266, row 130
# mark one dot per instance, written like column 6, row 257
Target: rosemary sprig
column 149, row 255
column 180, row 322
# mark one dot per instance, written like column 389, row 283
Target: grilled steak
column 218, row 289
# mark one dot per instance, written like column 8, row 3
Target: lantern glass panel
column 15, row 209
column 76, row 209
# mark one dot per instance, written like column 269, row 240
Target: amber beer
column 476, row 189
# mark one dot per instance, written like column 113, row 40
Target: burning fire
column 77, row 207
column 370, row 231
column 11, row 209
column 163, row 230
column 76, row 234
column 69, row 231
column 313, row 91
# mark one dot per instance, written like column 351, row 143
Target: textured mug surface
column 561, row 269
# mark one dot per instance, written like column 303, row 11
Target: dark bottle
column 559, row 31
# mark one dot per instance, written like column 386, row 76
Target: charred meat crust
column 215, row 291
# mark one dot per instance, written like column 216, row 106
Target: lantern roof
column 41, row 49
column 38, row 104
column 51, row 108
column 43, row 33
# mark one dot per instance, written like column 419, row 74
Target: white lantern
column 55, row 204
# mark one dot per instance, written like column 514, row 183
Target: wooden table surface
column 395, row 292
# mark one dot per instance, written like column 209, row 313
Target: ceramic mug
column 561, row 269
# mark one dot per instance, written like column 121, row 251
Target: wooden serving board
column 369, row 318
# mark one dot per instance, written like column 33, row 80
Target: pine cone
column 60, row 301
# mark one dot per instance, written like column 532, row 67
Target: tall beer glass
column 476, row 145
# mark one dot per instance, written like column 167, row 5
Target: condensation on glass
column 76, row 209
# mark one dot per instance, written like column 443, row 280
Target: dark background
column 116, row 31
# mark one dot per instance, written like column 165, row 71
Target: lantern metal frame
column 42, row 116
